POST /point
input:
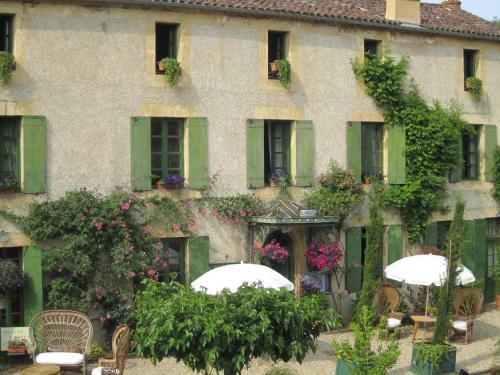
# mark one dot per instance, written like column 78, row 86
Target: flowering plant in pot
column 16, row 345
column 173, row 181
column 280, row 178
column 310, row 282
column 323, row 257
column 11, row 275
column 273, row 254
column 8, row 184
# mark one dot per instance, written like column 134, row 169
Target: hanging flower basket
column 11, row 275
column 323, row 257
column 273, row 254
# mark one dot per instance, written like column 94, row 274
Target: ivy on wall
column 496, row 175
column 432, row 134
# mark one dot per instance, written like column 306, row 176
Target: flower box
column 19, row 349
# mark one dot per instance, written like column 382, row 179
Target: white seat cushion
column 393, row 323
column 60, row 358
column 98, row 371
column 460, row 325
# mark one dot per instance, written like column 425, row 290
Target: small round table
column 39, row 369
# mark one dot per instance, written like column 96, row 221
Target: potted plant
column 273, row 67
column 360, row 358
column 323, row 257
column 432, row 310
column 8, row 184
column 367, row 180
column 16, row 346
column 475, row 87
column 172, row 181
column 7, row 63
column 273, row 254
column 284, row 72
column 310, row 282
column 280, row 178
column 172, row 70
column 11, row 275
column 439, row 357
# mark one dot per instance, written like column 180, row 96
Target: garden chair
column 387, row 304
column 468, row 304
column 120, row 343
column 61, row 337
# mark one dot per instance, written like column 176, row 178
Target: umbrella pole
column 426, row 300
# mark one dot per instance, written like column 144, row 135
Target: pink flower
column 98, row 226
column 191, row 224
column 125, row 206
column 133, row 196
column 131, row 274
column 146, row 229
column 151, row 272
column 98, row 293
column 176, row 227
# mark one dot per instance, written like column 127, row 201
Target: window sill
column 175, row 194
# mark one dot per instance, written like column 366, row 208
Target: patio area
column 473, row 357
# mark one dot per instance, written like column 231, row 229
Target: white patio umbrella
column 425, row 270
column 234, row 275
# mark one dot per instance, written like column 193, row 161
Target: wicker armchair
column 468, row 304
column 387, row 304
column 120, row 344
column 61, row 337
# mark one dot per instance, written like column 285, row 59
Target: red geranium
column 324, row 257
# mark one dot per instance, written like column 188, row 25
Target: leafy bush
column 96, row 352
column 11, row 275
column 173, row 215
column 339, row 190
column 6, row 67
column 172, row 70
column 475, row 86
column 281, row 370
column 225, row 332
column 231, row 209
column 432, row 353
column 284, row 73
column 361, row 359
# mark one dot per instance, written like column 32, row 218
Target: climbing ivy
column 432, row 134
column 496, row 175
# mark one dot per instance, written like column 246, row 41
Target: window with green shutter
column 167, row 144
column 442, row 229
column 276, row 148
column 490, row 146
column 9, row 153
column 175, row 248
column 166, row 43
column 6, row 32
column 372, row 135
column 199, row 250
column 470, row 65
column 470, row 155
column 355, row 247
column 492, row 287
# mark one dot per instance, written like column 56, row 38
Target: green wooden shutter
column 140, row 152
column 33, row 287
column 353, row 260
column 468, row 255
column 255, row 153
column 354, row 148
column 395, row 243
column 198, row 257
column 34, row 154
column 480, row 251
column 304, row 137
column 456, row 173
column 490, row 146
column 198, row 152
column 431, row 235
column 396, row 154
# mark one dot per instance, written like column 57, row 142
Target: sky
column 483, row 8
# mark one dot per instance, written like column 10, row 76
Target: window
column 371, row 150
column 176, row 253
column 470, row 154
column 442, row 229
column 276, row 147
column 6, row 37
column 372, row 47
column 470, row 64
column 9, row 150
column 276, row 50
column 167, row 144
column 166, row 42
column 11, row 315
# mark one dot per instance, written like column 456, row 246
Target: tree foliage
column 227, row 331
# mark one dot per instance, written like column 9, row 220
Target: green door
column 492, row 287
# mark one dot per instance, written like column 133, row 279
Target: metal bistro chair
column 120, row 344
column 62, row 338
column 468, row 304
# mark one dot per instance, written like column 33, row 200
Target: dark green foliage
column 339, row 190
column 432, row 353
column 455, row 247
column 432, row 134
column 172, row 215
column 475, row 88
column 172, row 70
column 372, row 270
column 281, row 370
column 227, row 331
column 284, row 73
column 6, row 67
column 496, row 175
column 361, row 357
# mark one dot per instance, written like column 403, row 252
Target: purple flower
column 174, row 180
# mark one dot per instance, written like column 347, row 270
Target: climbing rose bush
column 324, row 257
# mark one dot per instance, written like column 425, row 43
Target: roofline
column 391, row 25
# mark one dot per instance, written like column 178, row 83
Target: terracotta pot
column 161, row 67
column 273, row 67
column 498, row 301
column 20, row 349
column 274, row 183
column 161, row 186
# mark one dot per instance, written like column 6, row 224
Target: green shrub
column 475, row 86
column 361, row 358
column 284, row 72
column 339, row 190
column 6, row 67
column 224, row 332
column 96, row 352
column 281, row 370
column 432, row 353
column 172, row 70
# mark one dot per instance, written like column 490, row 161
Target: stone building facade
column 88, row 102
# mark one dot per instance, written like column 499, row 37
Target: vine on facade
column 432, row 134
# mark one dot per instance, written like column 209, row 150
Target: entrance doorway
column 287, row 269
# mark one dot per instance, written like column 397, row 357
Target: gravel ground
column 473, row 357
